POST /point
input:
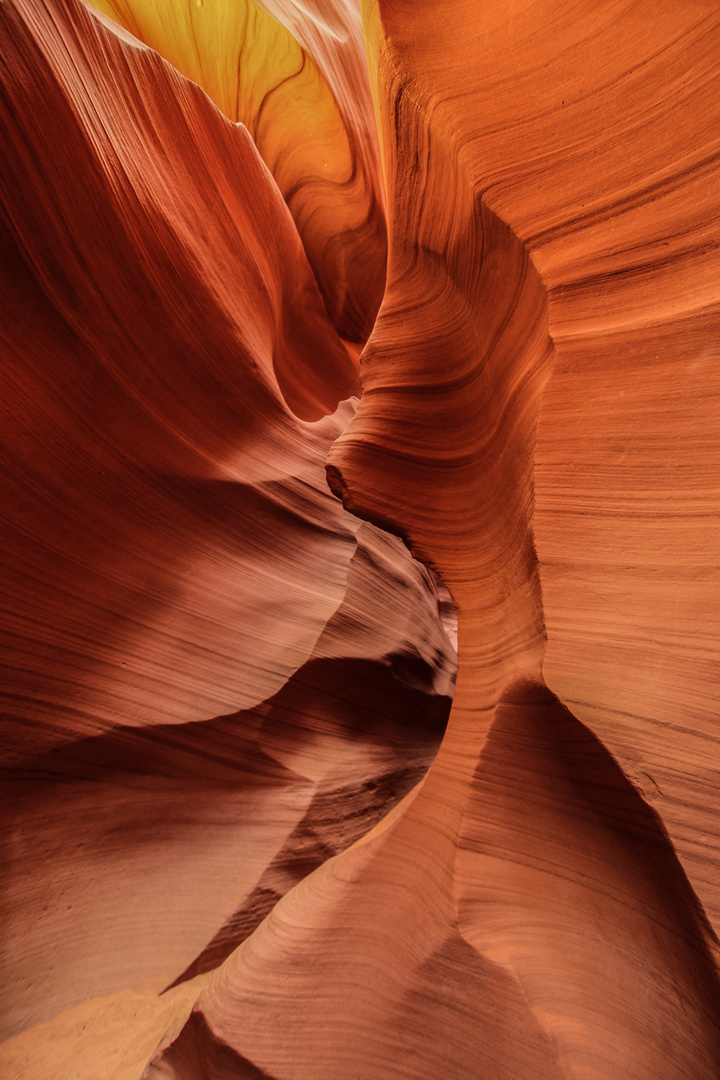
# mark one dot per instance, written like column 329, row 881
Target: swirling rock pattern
column 538, row 422
column 213, row 675
column 295, row 76
column 548, row 927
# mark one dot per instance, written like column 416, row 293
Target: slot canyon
column 360, row 547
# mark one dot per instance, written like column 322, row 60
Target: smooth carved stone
column 213, row 675
column 538, row 422
column 555, row 934
column 552, row 291
column 150, row 854
column 155, row 421
column 295, row 76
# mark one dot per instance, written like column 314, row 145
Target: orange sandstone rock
column 539, row 422
column 184, row 628
column 295, row 76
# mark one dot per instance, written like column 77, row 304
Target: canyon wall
column 323, row 329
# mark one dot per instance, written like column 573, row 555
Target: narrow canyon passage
column 336, row 340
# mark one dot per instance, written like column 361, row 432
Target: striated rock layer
column 294, row 74
column 214, row 677
column 537, row 422
column 220, row 680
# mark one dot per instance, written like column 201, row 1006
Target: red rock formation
column 295, row 75
column 547, row 927
column 538, row 421
column 213, row 675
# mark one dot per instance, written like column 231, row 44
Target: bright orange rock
column 538, row 422
column 176, row 573
column 295, row 76
column 552, row 289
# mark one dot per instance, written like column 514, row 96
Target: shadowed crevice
column 201, row 1055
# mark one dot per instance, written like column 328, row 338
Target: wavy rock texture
column 295, row 75
column 538, row 422
column 214, row 676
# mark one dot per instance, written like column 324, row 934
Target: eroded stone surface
column 214, row 676
column 538, row 422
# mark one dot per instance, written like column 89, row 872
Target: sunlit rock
column 295, row 75
column 231, row 782
column 214, row 676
